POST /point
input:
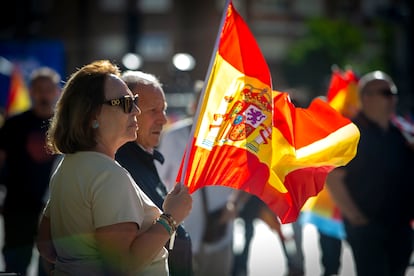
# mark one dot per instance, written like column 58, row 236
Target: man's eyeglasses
column 126, row 102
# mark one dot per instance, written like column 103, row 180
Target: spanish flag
column 249, row 137
column 18, row 98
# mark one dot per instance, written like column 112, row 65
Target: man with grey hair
column 375, row 190
column 139, row 157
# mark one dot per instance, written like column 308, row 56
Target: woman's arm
column 123, row 244
column 44, row 240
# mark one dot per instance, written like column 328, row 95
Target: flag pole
column 201, row 98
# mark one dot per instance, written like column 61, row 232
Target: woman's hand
column 178, row 203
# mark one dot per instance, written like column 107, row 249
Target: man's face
column 44, row 94
column 378, row 96
column 153, row 117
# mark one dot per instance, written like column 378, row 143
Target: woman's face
column 116, row 125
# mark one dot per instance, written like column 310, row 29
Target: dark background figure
column 331, row 249
column 253, row 209
column 374, row 191
column 248, row 214
column 138, row 158
column 26, row 169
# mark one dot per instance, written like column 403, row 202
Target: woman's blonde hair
column 70, row 129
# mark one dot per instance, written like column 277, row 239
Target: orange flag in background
column 343, row 93
column 18, row 99
column 247, row 136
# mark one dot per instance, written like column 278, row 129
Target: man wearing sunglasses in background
column 375, row 190
column 138, row 158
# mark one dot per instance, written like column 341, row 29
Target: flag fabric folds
column 249, row 137
column 321, row 210
column 342, row 92
column 18, row 99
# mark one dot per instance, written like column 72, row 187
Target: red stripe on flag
column 336, row 84
column 239, row 48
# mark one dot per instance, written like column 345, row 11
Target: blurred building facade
column 156, row 30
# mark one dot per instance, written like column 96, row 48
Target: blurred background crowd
column 300, row 39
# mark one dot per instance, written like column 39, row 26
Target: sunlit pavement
column 266, row 255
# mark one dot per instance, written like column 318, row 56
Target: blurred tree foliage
column 329, row 42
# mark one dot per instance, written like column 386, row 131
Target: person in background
column 138, row 158
column 97, row 220
column 254, row 209
column 331, row 250
column 374, row 191
column 26, row 168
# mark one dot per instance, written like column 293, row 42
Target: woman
column 97, row 221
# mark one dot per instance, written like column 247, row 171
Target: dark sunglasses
column 386, row 93
column 127, row 102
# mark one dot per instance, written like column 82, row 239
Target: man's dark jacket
column 140, row 165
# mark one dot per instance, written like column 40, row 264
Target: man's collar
column 154, row 153
column 158, row 156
